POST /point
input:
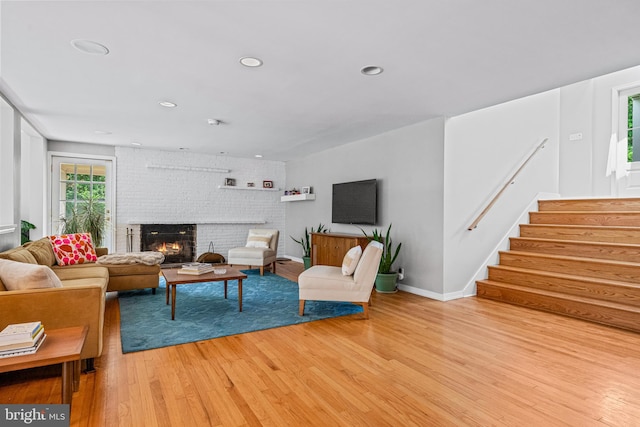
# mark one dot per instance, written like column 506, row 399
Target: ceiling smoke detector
column 213, row 122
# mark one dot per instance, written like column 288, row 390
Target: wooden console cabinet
column 330, row 248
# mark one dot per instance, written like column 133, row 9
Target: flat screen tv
column 355, row 202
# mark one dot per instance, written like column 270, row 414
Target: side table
column 60, row 346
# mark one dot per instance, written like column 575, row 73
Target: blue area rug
column 202, row 313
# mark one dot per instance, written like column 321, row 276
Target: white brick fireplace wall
column 161, row 187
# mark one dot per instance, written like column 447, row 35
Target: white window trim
column 52, row 154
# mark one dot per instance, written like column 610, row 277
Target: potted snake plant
column 386, row 279
column 305, row 242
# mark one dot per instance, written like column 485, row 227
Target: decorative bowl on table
column 219, row 270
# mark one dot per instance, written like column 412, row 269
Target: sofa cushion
column 42, row 251
column 83, row 271
column 19, row 254
column 350, row 260
column 70, row 249
column 19, row 275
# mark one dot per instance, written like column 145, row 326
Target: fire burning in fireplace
column 174, row 248
column 176, row 241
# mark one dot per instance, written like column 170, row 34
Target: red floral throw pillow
column 72, row 249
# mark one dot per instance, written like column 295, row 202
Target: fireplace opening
column 176, row 241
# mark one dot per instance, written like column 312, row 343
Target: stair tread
column 585, row 226
column 592, row 199
column 587, row 279
column 579, row 242
column 563, row 296
column 596, row 212
column 572, row 258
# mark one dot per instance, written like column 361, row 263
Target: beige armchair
column 261, row 250
column 328, row 283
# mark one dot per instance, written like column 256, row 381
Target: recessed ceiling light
column 102, row 132
column 249, row 61
column 372, row 70
column 259, row 156
column 168, row 104
column 183, row 149
column 137, row 144
column 90, row 47
column 213, row 122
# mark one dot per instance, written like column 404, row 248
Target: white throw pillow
column 350, row 260
column 258, row 240
column 21, row 275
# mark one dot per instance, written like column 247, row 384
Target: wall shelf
column 234, row 187
column 200, row 222
column 297, row 197
column 188, row 168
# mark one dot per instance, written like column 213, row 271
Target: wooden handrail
column 508, row 183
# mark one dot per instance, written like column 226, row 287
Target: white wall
column 408, row 163
column 483, row 149
column 34, row 180
column 151, row 195
column 576, row 156
column 602, row 112
column 7, row 166
column 586, row 108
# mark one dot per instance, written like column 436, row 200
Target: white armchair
column 261, row 250
column 328, row 283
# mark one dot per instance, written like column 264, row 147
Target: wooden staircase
column 579, row 258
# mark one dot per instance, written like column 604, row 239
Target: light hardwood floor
column 416, row 361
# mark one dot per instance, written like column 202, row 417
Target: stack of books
column 196, row 268
column 21, row 338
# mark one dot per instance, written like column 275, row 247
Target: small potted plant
column 305, row 242
column 25, row 228
column 386, row 280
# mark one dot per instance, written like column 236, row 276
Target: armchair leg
column 262, row 270
column 301, row 309
column 273, row 267
column 365, row 309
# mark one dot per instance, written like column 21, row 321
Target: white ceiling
column 440, row 58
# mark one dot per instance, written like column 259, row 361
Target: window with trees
column 83, row 199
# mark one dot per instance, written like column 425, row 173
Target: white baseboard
column 430, row 294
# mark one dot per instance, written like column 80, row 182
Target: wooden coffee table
column 173, row 278
column 60, row 346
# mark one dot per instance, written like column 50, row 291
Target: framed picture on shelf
column 267, row 184
column 229, row 182
column 306, row 190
